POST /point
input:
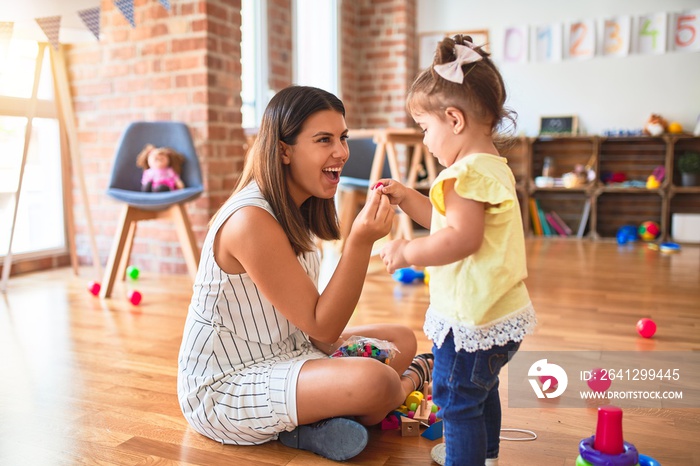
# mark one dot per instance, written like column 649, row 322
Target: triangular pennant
column 91, row 18
column 127, row 9
column 165, row 3
column 50, row 25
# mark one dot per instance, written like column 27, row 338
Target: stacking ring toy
column 628, row 457
column 645, row 460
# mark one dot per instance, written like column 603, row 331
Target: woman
column 254, row 362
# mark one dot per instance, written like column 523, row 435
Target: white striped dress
column 240, row 358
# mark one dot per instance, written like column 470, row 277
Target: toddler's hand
column 392, row 189
column 392, row 255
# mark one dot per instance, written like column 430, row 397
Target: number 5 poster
column 651, row 33
column 686, row 35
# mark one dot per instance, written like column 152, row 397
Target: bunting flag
column 165, row 3
column 91, row 18
column 127, row 9
column 50, row 25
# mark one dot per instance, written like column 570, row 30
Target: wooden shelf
column 611, row 206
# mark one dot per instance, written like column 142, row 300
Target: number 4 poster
column 686, row 31
column 651, row 33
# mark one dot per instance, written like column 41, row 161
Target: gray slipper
column 338, row 438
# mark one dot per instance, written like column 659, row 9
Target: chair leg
column 187, row 240
column 128, row 216
column 126, row 255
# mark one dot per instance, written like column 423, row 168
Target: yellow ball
column 675, row 128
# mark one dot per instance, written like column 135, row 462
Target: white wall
column 604, row 92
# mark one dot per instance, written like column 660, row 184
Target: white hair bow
column 452, row 71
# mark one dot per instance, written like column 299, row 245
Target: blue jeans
column 465, row 387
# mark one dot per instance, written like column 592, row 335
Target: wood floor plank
column 90, row 381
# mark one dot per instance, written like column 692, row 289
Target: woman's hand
column 392, row 255
column 375, row 219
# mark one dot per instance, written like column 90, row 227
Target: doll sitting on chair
column 161, row 169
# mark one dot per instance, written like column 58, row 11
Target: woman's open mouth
column 332, row 173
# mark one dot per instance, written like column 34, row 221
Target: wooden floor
column 90, row 381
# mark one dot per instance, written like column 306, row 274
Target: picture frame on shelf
column 427, row 42
column 562, row 125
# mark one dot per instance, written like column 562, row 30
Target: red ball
column 135, row 297
column 94, row 288
column 646, row 327
column 599, row 381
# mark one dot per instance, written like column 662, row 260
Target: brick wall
column 279, row 43
column 379, row 49
column 181, row 65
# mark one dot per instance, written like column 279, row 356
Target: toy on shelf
column 607, row 447
column 646, row 327
column 356, row 346
column 649, row 230
column 656, row 125
column 408, row 275
column 94, row 288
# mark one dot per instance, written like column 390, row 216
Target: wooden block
column 423, row 411
column 409, row 427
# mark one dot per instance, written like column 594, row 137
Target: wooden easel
column 69, row 141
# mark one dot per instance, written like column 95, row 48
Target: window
column 39, row 224
column 316, row 49
column 254, row 83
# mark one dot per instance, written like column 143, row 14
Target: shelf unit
column 611, row 205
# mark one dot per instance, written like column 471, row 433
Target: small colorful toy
column 355, row 346
column 408, row 275
column 649, row 231
column 134, row 297
column 94, row 288
column 607, row 447
column 646, row 327
column 379, row 183
column 132, row 272
column 599, row 381
column 626, row 234
column 669, row 247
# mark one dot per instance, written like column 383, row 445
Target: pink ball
column 135, row 297
column 94, row 288
column 599, row 381
column 646, row 327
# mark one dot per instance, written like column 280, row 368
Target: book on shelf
column 535, row 218
column 555, row 226
column 546, row 229
column 562, row 223
column 584, row 219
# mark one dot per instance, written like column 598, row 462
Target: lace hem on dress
column 512, row 327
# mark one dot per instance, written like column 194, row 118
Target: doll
column 161, row 169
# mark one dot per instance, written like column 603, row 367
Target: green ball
column 132, row 272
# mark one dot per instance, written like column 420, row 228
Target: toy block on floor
column 433, row 432
column 423, row 410
column 409, row 427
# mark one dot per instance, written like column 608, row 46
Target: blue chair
column 354, row 180
column 125, row 186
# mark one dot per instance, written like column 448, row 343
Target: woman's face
column 315, row 161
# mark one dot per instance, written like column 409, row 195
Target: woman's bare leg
column 354, row 386
column 360, row 387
